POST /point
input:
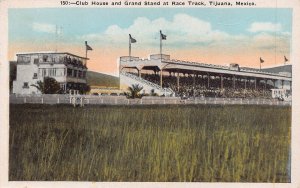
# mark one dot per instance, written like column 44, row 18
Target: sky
column 206, row 35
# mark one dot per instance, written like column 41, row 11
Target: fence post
column 164, row 101
column 128, row 101
column 24, row 99
column 42, row 100
column 141, row 101
column 81, row 102
column 58, row 100
column 101, row 101
column 205, row 101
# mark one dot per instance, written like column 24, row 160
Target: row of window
column 23, row 59
column 76, row 73
column 50, row 58
column 53, row 72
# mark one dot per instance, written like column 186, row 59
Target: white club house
column 67, row 69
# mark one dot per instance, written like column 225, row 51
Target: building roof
column 50, row 52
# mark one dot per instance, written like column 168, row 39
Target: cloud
column 184, row 31
column 264, row 27
column 181, row 29
column 44, row 27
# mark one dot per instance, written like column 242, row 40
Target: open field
column 202, row 143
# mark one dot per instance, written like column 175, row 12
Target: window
column 43, row 72
column 25, row 85
column 34, row 75
column 45, row 58
column 36, row 61
column 52, row 72
column 23, row 59
column 75, row 73
column 69, row 72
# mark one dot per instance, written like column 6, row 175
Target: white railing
column 82, row 100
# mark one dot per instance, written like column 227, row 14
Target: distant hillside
column 100, row 79
column 281, row 68
column 275, row 69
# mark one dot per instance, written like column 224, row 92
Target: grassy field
column 198, row 143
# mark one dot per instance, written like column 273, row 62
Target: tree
column 152, row 93
column 48, row 86
column 84, row 88
column 135, row 91
column 40, row 86
column 12, row 73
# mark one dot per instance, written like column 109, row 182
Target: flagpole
column 160, row 45
column 259, row 65
column 129, row 48
column 86, row 53
column 56, row 33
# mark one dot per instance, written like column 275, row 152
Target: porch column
column 177, row 80
column 194, row 81
column 207, row 80
column 221, row 78
column 161, row 74
column 233, row 81
column 265, row 84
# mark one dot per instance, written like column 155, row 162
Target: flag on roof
column 261, row 60
column 162, row 36
column 87, row 46
column 132, row 40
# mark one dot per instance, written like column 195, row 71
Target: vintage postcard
column 158, row 93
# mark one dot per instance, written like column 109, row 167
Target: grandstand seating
column 187, row 88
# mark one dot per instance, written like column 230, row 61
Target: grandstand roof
column 168, row 64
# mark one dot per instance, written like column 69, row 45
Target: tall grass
column 150, row 143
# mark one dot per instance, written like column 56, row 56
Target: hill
column 280, row 68
column 103, row 80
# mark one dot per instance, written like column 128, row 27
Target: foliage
column 40, row 86
column 85, row 88
column 12, row 74
column 48, row 86
column 150, row 143
column 153, row 93
column 135, row 90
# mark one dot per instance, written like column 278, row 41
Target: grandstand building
column 68, row 69
column 163, row 75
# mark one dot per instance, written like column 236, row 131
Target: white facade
column 67, row 69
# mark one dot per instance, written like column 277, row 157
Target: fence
column 122, row 100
